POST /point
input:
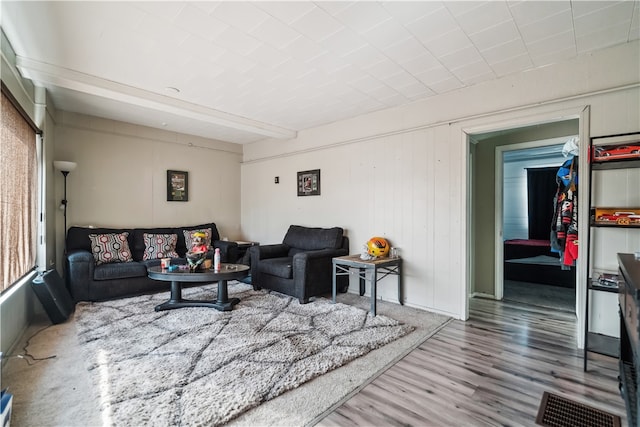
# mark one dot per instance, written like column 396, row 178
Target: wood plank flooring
column 490, row 370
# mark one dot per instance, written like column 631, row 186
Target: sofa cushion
column 119, row 271
column 110, row 248
column 310, row 239
column 78, row 237
column 158, row 246
column 280, row 267
column 138, row 247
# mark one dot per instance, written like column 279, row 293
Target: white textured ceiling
column 250, row 70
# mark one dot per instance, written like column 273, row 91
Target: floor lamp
column 65, row 168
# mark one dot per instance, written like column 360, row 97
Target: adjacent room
column 325, row 213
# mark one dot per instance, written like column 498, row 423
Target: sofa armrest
column 79, row 273
column 228, row 250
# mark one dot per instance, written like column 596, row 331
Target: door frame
column 499, row 206
column 580, row 112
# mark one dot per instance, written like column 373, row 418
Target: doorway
column 533, row 272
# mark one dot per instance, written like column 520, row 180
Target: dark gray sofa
column 300, row 266
column 87, row 281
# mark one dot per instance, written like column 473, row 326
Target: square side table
column 385, row 266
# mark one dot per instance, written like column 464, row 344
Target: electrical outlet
column 276, row 180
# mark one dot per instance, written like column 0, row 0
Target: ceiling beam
column 43, row 73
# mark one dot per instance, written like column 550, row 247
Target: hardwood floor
column 490, row 370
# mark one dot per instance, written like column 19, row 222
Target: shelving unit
column 617, row 194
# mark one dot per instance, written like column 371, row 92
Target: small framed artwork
column 309, row 183
column 177, row 186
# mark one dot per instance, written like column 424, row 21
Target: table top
column 356, row 261
column 227, row 272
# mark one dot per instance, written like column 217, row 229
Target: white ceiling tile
column 400, row 79
column 406, row 50
column 446, row 85
column 461, row 7
column 304, row 49
column 233, row 62
column 512, row 65
column 435, row 74
column 275, row 33
column 527, row 12
column 207, row 6
column 237, row 41
column 394, row 100
column 448, row 43
column 166, row 10
column 461, row 58
column 486, row 15
column 634, row 33
column 363, row 16
column 196, row 45
column 334, row 7
column 581, row 8
column 364, row 57
column 192, row 19
column 504, row 51
column 552, row 57
column 614, row 15
column 382, row 92
column 406, row 12
column 496, row 35
column 348, row 74
column 161, row 32
column 317, row 24
column 242, row 15
column 343, row 42
column 387, row 34
column 556, row 42
column 365, row 83
column 474, row 73
column 268, row 56
column 433, row 26
column 420, row 63
column 294, row 68
column 383, row 69
column 328, row 63
column 547, row 27
column 285, row 11
column 602, row 38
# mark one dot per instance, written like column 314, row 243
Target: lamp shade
column 64, row 166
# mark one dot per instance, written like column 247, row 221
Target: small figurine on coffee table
column 198, row 252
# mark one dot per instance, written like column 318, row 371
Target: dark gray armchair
column 300, row 266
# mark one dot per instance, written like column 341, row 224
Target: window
column 18, row 192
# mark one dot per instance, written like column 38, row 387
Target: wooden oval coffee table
column 177, row 277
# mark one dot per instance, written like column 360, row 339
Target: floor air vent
column 557, row 411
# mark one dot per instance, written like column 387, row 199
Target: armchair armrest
column 79, row 273
column 228, row 250
column 312, row 271
column 277, row 250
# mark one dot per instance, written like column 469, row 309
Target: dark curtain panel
column 541, row 189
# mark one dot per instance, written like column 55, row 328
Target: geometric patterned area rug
column 200, row 366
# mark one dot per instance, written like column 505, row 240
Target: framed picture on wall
column 309, row 183
column 177, row 186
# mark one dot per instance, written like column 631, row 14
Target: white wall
column 120, row 180
column 515, row 216
column 402, row 173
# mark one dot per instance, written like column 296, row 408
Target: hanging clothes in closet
column 564, row 226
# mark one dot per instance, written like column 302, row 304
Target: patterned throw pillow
column 188, row 237
column 109, row 248
column 159, row 246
